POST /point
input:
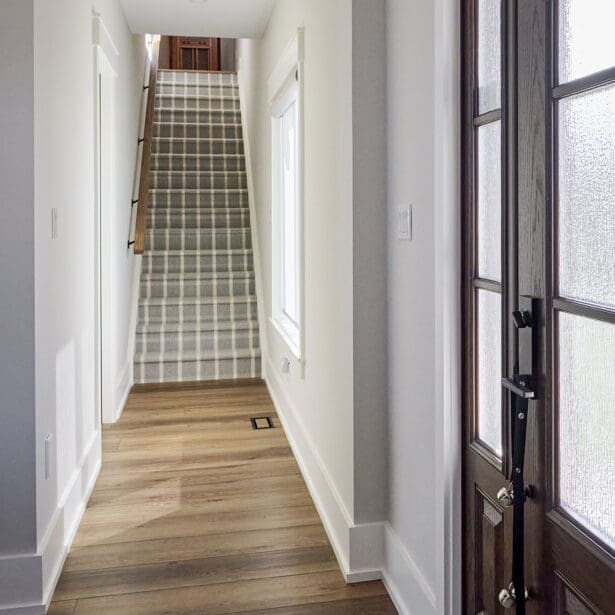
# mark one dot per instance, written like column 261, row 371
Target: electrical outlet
column 404, row 223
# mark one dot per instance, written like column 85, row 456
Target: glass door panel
column 489, row 55
column 490, row 201
column 586, row 427
column 587, row 196
column 489, row 367
column 586, row 43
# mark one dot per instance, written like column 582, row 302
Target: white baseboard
column 358, row 548
column 40, row 572
column 403, row 579
column 124, row 386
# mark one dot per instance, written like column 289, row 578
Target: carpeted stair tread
column 165, row 301
column 198, row 327
column 154, row 357
column 193, row 275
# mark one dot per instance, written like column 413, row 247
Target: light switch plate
column 404, row 223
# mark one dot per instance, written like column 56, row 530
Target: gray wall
column 370, row 259
column 17, row 397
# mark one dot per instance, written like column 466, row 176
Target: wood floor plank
column 378, row 605
column 116, row 555
column 194, row 512
column 232, row 597
column 195, row 572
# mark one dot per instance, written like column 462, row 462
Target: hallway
column 195, row 512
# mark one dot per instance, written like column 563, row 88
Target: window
column 286, row 173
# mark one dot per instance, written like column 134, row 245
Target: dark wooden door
column 193, row 53
column 539, row 235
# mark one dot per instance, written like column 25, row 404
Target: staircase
column 197, row 307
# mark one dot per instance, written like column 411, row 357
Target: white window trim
column 285, row 86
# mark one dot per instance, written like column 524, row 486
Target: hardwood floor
column 197, row 513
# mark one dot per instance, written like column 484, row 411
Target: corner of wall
column 28, row 581
column 358, row 548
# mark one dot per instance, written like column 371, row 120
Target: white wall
column 334, row 404
column 48, row 127
column 423, row 283
column 316, row 404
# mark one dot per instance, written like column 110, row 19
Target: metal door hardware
column 521, row 388
column 508, row 597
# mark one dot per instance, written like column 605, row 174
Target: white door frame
column 104, row 88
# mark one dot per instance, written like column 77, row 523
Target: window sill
column 288, row 339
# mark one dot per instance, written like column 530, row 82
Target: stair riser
column 180, row 200
column 203, row 163
column 155, row 263
column 173, row 76
column 182, row 116
column 193, row 371
column 206, row 181
column 160, row 240
column 224, row 287
column 207, row 91
column 205, row 342
column 197, row 104
column 197, row 313
column 214, row 219
column 204, row 146
column 196, row 130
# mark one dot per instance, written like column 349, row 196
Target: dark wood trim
column 195, row 386
column 587, row 310
column 141, row 224
column 488, row 117
column 214, row 47
column 591, row 82
column 494, row 287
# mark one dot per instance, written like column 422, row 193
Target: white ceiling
column 219, row 18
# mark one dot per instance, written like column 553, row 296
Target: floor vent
column 262, row 422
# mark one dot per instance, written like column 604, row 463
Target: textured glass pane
column 489, row 201
column 586, row 41
column 587, row 196
column 587, row 423
column 490, row 370
column 489, row 55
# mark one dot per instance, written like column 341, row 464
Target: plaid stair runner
column 197, row 307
